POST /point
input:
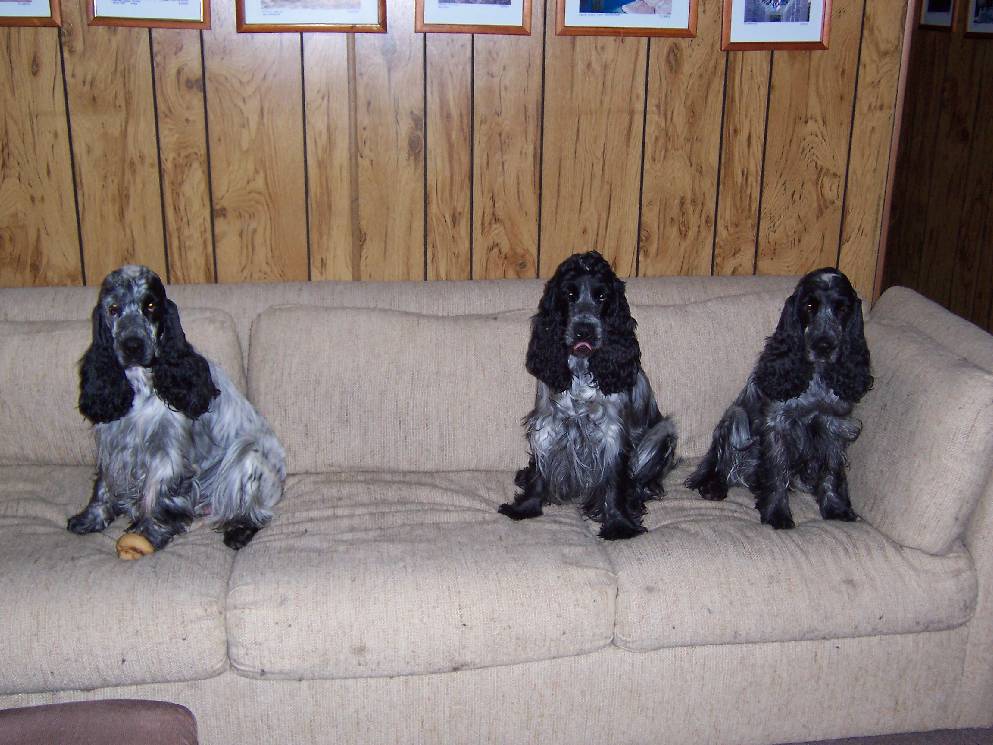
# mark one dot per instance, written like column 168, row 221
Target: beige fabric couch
column 389, row 603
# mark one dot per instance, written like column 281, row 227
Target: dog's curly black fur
column 791, row 426
column 595, row 434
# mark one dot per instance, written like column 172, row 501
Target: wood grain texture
column 449, row 155
column 255, row 125
column 591, row 164
column 682, row 150
column 329, row 143
column 872, row 131
column 182, row 121
column 810, row 113
column 389, row 72
column 507, row 152
column 109, row 81
column 742, row 153
column 38, row 238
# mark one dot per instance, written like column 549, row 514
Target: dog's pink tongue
column 582, row 349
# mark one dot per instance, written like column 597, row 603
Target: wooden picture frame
column 979, row 19
column 938, row 15
column 767, row 24
column 191, row 14
column 342, row 16
column 474, row 17
column 674, row 18
column 32, row 13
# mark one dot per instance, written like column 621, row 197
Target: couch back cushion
column 386, row 390
column 40, row 423
column 926, row 448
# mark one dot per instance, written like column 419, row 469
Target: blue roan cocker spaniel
column 175, row 439
column 596, row 435
column 790, row 426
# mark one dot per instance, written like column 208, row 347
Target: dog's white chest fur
column 575, row 436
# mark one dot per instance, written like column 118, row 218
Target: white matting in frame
column 311, row 15
column 496, row 16
column 979, row 21
column 776, row 24
column 939, row 14
column 29, row 13
column 627, row 17
column 168, row 13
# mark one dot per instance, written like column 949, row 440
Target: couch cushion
column 711, row 573
column 366, row 575
column 40, row 421
column 75, row 616
column 926, row 449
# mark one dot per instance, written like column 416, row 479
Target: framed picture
column 776, row 24
column 938, row 14
column 150, row 13
column 979, row 21
column 30, row 13
column 626, row 18
column 473, row 16
column 311, row 15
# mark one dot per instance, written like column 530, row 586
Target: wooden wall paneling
column 915, row 159
column 592, row 143
column 682, row 149
column 330, row 141
column 255, row 127
column 507, row 108
column 389, row 71
column 810, row 114
column 112, row 112
column 39, row 243
column 742, row 152
column 972, row 278
column 872, row 131
column 449, row 65
column 958, row 97
column 182, row 121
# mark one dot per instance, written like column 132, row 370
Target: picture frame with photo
column 938, row 15
column 979, row 19
column 35, row 13
column 193, row 14
column 344, row 16
column 675, row 18
column 473, row 16
column 776, row 24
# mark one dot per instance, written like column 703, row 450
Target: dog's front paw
column 779, row 517
column 712, row 488
column 521, row 510
column 618, row 530
column 86, row 522
column 239, row 536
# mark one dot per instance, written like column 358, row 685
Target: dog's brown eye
column 150, row 306
column 599, row 296
column 571, row 292
column 810, row 306
column 114, row 309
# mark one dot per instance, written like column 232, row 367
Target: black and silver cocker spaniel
column 596, row 435
column 176, row 440
column 791, row 425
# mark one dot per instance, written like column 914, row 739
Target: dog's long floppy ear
column 180, row 375
column 783, row 371
column 547, row 357
column 615, row 365
column 850, row 376
column 104, row 391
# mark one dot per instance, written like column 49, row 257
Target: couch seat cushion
column 75, row 616
column 711, row 573
column 378, row 575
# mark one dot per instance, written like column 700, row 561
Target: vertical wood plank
column 39, row 244
column 682, row 149
column 507, row 151
column 872, row 131
column 449, row 155
column 810, row 113
column 958, row 98
column 109, row 81
column 329, row 142
column 255, row 125
column 177, row 60
column 746, row 99
column 389, row 71
column 593, row 127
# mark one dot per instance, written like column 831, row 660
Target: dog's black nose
column 822, row 345
column 584, row 332
column 132, row 347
